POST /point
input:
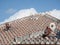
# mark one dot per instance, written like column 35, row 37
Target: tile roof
column 24, row 26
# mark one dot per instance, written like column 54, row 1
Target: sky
column 14, row 8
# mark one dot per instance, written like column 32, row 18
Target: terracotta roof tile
column 24, row 26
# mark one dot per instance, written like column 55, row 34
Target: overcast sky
column 8, row 8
